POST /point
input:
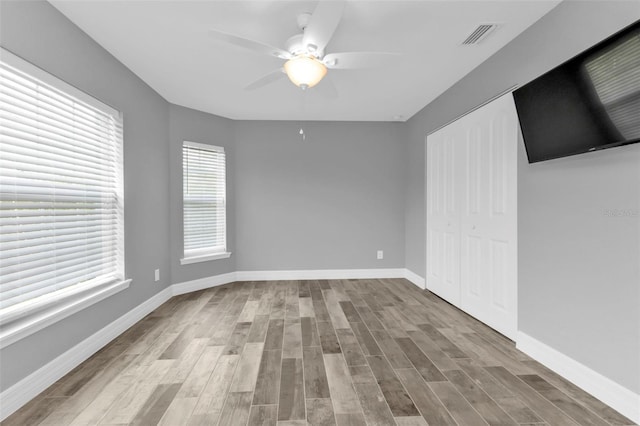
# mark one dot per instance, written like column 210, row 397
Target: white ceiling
column 166, row 44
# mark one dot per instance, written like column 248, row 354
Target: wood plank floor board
column 595, row 405
column 361, row 374
column 367, row 342
column 338, row 318
column 512, row 405
column 306, row 307
column 258, row 330
column 542, row 407
column 328, row 338
column 513, row 365
column 264, row 306
column 291, row 404
column 420, row 361
column 309, row 332
column 345, row 400
column 238, row 338
column 370, row 319
column 398, row 315
column 562, row 401
column 356, row 352
column 431, row 350
column 350, row 419
column 156, row 405
column 340, row 289
column 212, row 398
column 398, row 399
column 178, row 411
column 487, row 407
column 125, row 408
column 263, row 415
column 390, row 324
column 319, row 307
column 350, row 312
column 439, row 339
column 292, row 306
column 268, row 381
column 304, row 288
column 456, row 404
column 35, row 412
column 482, row 378
column 180, row 370
column 374, row 407
column 350, row 347
column 292, row 340
column 236, row 409
column 518, row 410
column 248, row 367
column 275, row 334
column 391, row 350
column 320, row 412
column 199, row 375
column 425, row 400
column 411, row 421
column 315, row 376
column 249, row 311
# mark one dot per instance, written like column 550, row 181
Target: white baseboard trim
column 26, row 389
column 202, row 283
column 414, row 278
column 606, row 390
column 320, row 274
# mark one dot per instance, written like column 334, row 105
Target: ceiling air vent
column 480, row 33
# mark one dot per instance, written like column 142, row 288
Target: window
column 204, row 202
column 615, row 77
column 61, row 206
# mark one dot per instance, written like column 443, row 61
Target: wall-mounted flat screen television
column 590, row 102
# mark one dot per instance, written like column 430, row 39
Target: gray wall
column 40, row 34
column 579, row 270
column 328, row 202
column 195, row 126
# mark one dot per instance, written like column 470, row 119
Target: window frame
column 18, row 323
column 213, row 255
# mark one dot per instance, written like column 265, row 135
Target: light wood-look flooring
column 289, row 353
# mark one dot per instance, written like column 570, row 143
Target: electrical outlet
column 157, row 275
column 380, row 254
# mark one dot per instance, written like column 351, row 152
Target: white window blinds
column 615, row 74
column 61, row 207
column 204, row 198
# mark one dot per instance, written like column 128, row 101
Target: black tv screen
column 590, row 102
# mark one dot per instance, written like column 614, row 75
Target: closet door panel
column 443, row 215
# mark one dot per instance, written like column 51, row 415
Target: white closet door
column 443, row 214
column 471, row 201
column 488, row 226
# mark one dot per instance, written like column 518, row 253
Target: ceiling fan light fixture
column 305, row 71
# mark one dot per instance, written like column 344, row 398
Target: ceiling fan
column 306, row 62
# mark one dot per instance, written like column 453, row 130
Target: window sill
column 30, row 324
column 204, row 258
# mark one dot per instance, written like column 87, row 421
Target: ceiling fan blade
column 326, row 88
column 322, row 25
column 358, row 60
column 267, row 79
column 249, row 44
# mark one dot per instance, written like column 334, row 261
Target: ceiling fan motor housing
column 296, row 47
column 295, row 44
